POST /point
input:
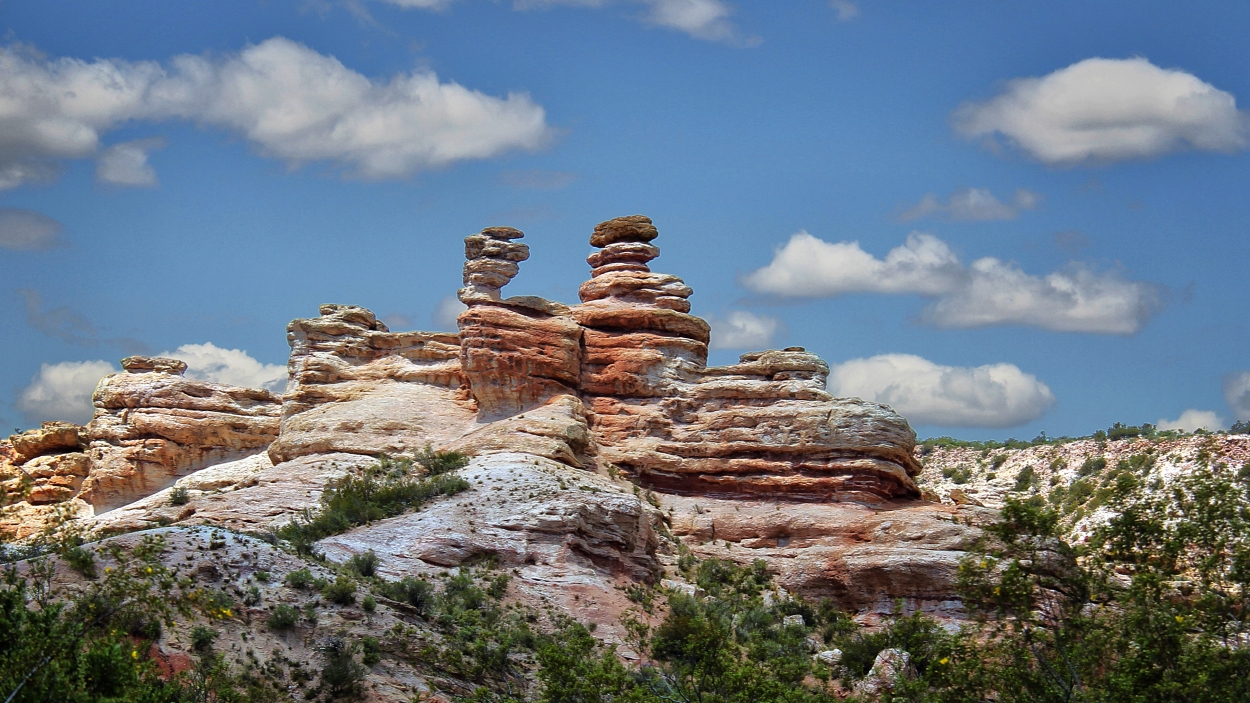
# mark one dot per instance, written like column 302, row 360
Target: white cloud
column 702, row 19
column 996, row 395
column 1191, row 420
column 447, row 311
column 846, row 9
column 986, row 292
column 972, row 205
column 293, row 103
column 63, row 391
column 209, row 362
column 743, row 330
column 126, row 164
column 1108, row 110
column 1237, row 394
column 27, row 230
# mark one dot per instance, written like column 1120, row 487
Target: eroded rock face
column 153, row 425
column 524, row 510
column 357, row 387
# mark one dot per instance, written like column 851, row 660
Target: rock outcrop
column 153, row 425
column 637, row 359
column 357, row 387
column 515, row 353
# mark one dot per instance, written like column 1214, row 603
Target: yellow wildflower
column 943, row 660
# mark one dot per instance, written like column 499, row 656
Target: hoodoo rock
column 765, row 427
column 516, row 353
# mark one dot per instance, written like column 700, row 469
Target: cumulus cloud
column 743, row 330
column 63, row 391
column 1192, row 420
column 972, row 205
column 986, row 292
column 1108, row 110
column 846, row 9
column 1237, row 394
column 27, row 230
column 537, row 179
column 126, row 164
column 209, row 362
column 447, row 311
column 289, row 101
column 995, row 395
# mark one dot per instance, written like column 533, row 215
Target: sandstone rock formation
column 600, row 438
column 357, row 387
column 153, row 425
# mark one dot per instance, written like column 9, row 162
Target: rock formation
column 359, row 388
column 598, row 432
column 638, row 360
column 153, row 425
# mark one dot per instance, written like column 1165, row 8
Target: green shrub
column 252, row 597
column 436, row 463
column 381, row 491
column 341, row 675
column 365, row 564
column 179, row 496
column 369, row 604
column 1092, row 465
column 300, row 578
column 371, row 649
column 415, row 592
column 283, row 617
column 202, row 638
column 1025, row 479
column 81, row 560
column 342, row 590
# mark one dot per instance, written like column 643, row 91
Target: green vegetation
column 386, row 489
column 179, row 496
column 299, row 578
column 1117, row 431
column 365, row 564
column 341, row 590
column 957, row 474
column 1025, row 479
column 92, row 643
column 283, row 617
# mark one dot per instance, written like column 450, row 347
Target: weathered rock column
column 639, row 337
column 516, row 353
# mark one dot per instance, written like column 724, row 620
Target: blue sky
column 200, row 173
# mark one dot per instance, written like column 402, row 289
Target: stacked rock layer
column 637, row 359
